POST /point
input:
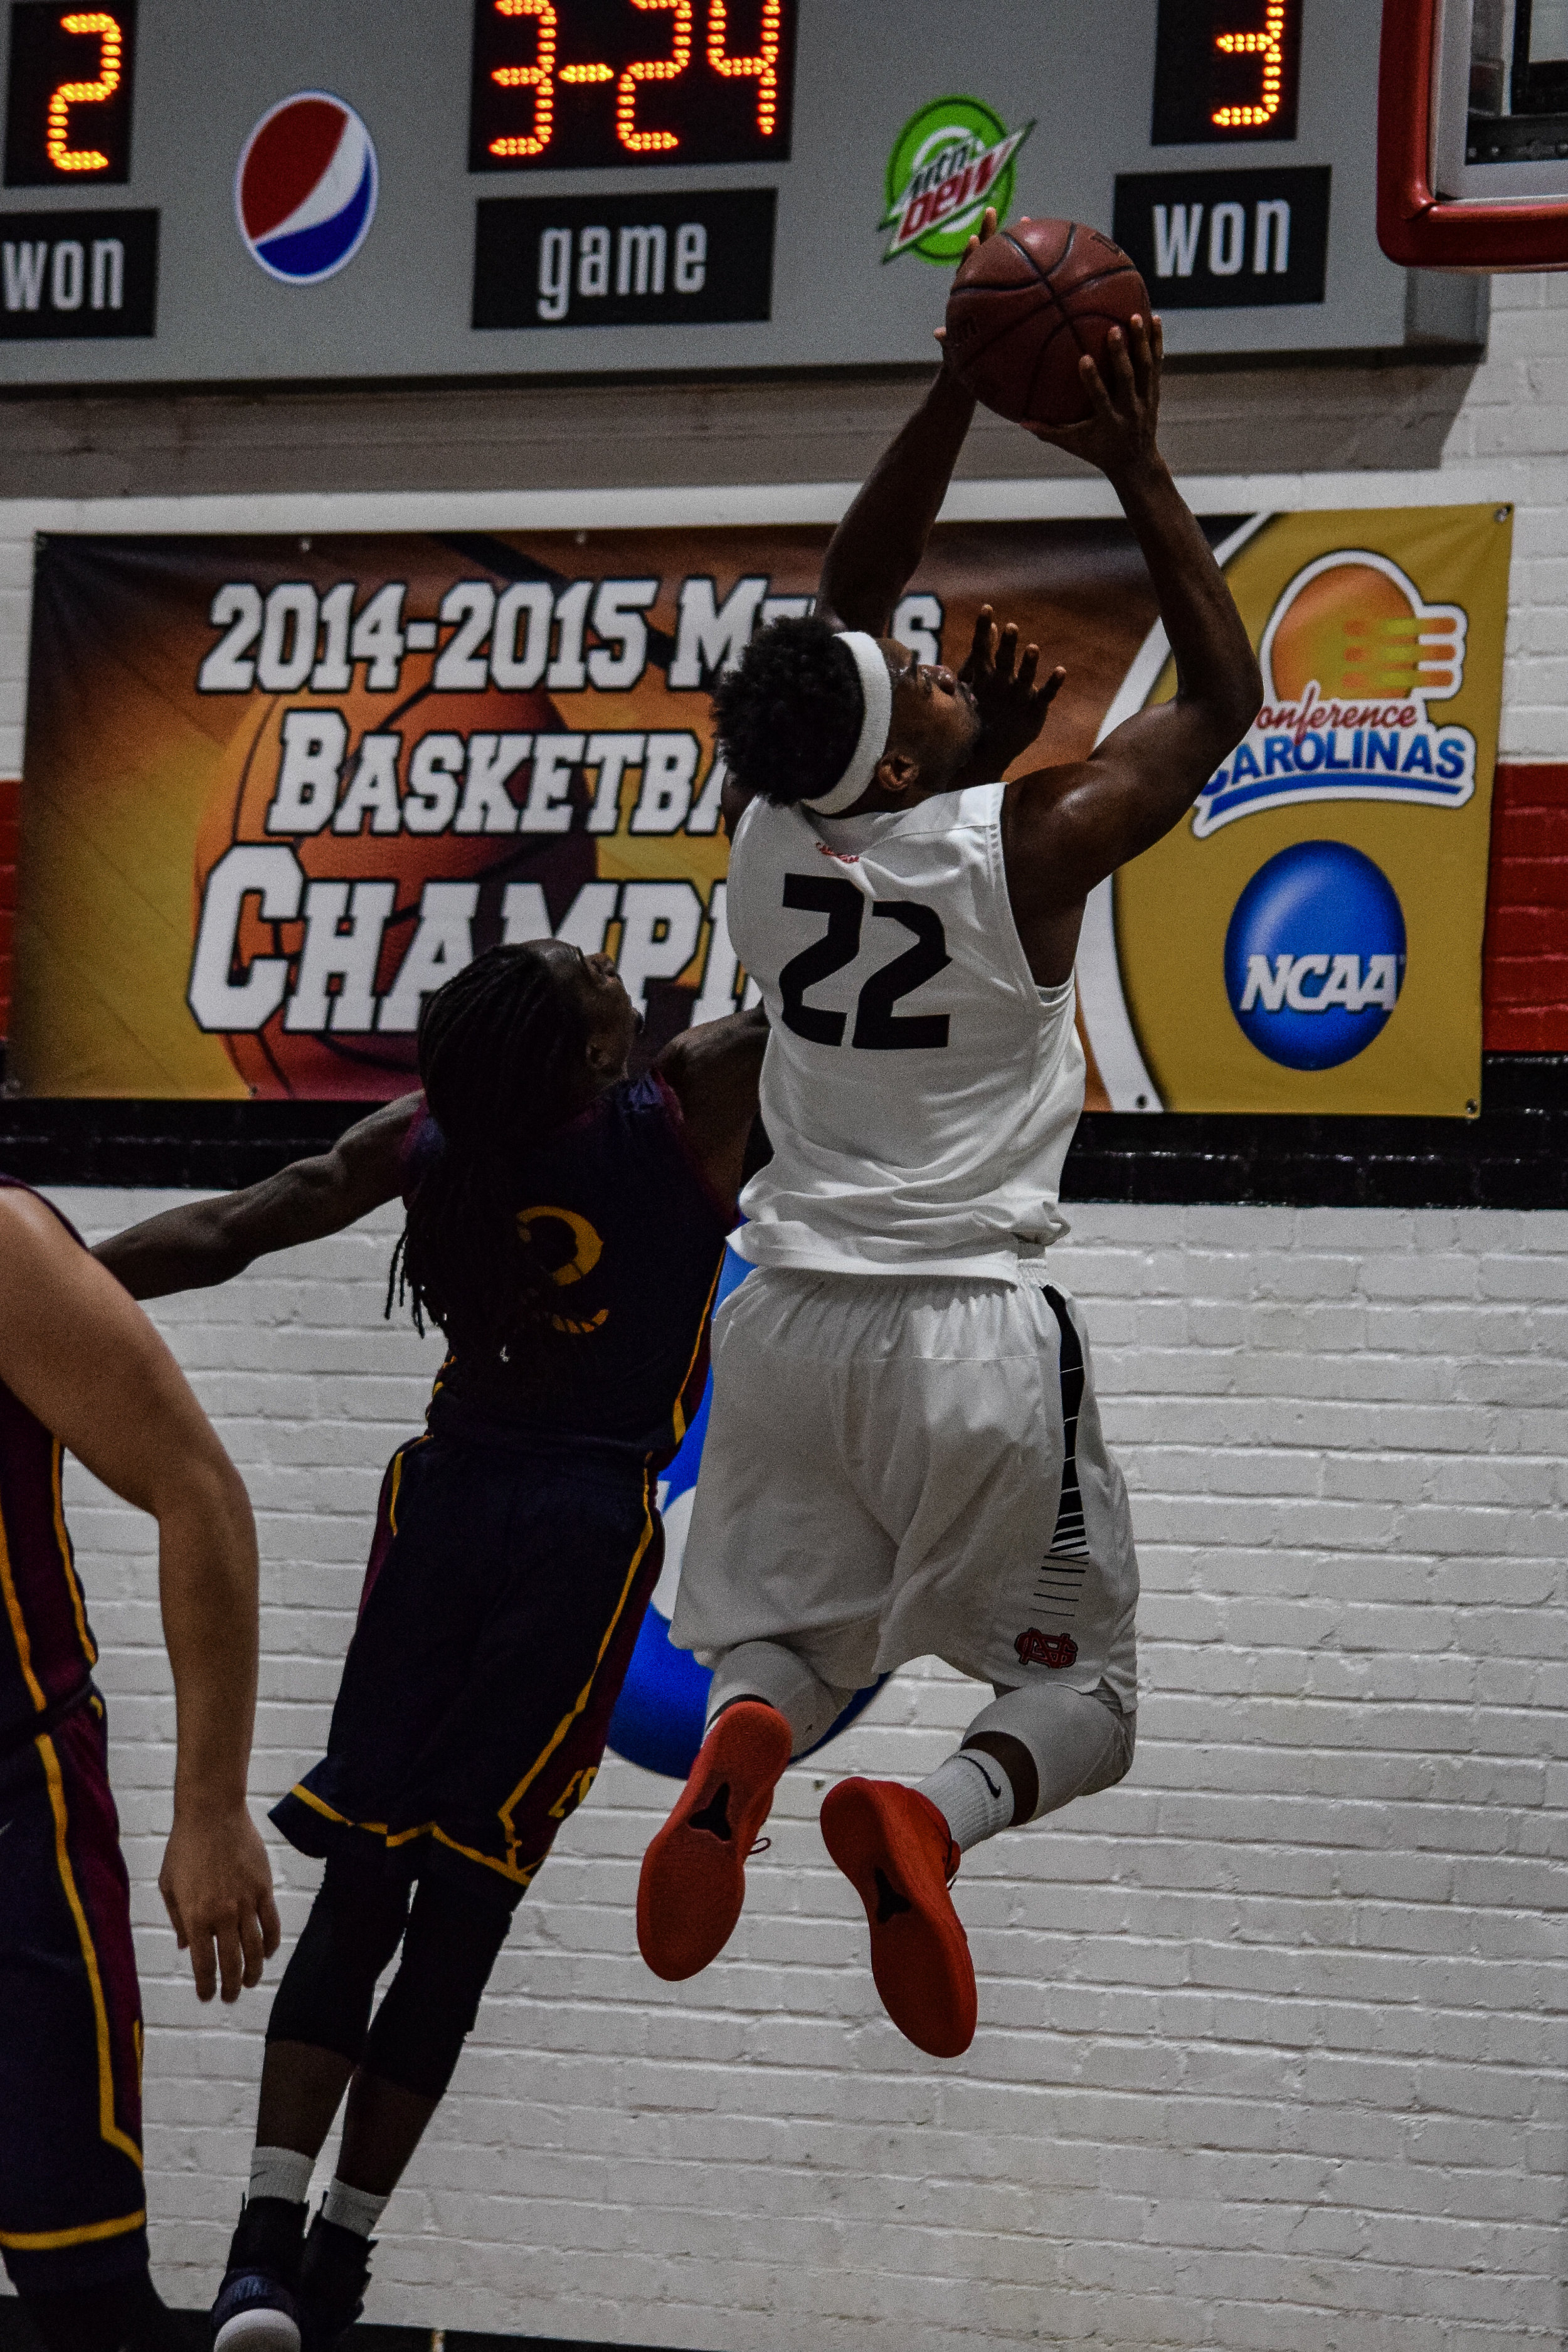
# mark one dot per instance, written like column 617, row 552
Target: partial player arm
column 878, row 548
column 714, row 1072
column 90, row 1366
column 1066, row 828
column 873, row 554
column 209, row 1241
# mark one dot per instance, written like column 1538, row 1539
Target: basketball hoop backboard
column 1473, row 134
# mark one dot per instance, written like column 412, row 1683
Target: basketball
column 1025, row 308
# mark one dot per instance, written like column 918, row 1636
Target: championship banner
column 277, row 790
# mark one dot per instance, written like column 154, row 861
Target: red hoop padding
column 1415, row 228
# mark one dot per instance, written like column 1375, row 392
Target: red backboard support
column 1416, row 227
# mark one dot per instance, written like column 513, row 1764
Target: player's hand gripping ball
column 1026, row 305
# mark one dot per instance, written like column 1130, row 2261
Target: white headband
column 878, row 689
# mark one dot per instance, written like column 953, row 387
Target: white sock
column 281, row 2172
column 972, row 1794
column 352, row 2208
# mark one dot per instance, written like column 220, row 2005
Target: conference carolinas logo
column 1314, row 955
column 1352, row 657
column 949, row 162
column 305, row 189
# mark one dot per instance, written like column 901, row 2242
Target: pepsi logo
column 1314, row 955
column 304, row 193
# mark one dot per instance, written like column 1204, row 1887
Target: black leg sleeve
column 431, row 2004
column 329, row 1984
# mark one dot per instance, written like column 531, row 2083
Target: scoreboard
column 210, row 191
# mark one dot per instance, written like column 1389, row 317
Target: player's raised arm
column 89, row 1364
column 1066, row 828
column 210, row 1240
column 873, row 554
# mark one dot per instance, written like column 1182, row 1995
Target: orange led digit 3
column 68, row 111
column 567, row 85
column 1225, row 71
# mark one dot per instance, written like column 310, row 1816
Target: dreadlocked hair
column 790, row 713
column 501, row 1052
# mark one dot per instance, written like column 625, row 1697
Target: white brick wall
column 1270, row 2052
column 1515, row 424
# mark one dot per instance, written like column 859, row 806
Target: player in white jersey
column 905, row 1456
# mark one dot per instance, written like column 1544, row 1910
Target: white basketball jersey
column 920, row 1089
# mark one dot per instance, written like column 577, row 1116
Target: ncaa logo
column 304, row 193
column 1314, row 957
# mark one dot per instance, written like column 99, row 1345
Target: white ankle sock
column 281, row 2172
column 352, row 2208
column 972, row 1794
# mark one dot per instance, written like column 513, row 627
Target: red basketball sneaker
column 693, row 1878
column 892, row 1845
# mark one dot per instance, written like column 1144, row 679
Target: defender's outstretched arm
column 715, row 1072
column 92, row 1368
column 209, row 1241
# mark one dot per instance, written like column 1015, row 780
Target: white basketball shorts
column 903, row 1467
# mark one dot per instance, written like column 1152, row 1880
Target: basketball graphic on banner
column 304, row 193
column 369, row 1055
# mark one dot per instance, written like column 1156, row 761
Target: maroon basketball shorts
column 72, row 2210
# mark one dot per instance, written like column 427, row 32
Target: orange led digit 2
column 68, row 106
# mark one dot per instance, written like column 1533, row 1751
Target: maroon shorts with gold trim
column 507, row 1581
column 72, row 2211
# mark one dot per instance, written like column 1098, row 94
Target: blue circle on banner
column 659, row 1716
column 1314, row 955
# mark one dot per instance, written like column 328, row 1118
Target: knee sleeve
column 431, row 2004
column 1080, row 1744
column 768, row 1670
column 329, row 1982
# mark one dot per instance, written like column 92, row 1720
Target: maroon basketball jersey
column 46, row 1650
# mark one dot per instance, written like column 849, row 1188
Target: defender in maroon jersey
column 565, row 1228
column 81, row 1366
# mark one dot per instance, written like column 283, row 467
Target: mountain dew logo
column 951, row 159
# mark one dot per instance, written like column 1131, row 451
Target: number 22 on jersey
column 878, row 1029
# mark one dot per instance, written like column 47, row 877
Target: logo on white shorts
column 1038, row 1649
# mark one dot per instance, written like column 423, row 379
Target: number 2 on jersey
column 878, row 1028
